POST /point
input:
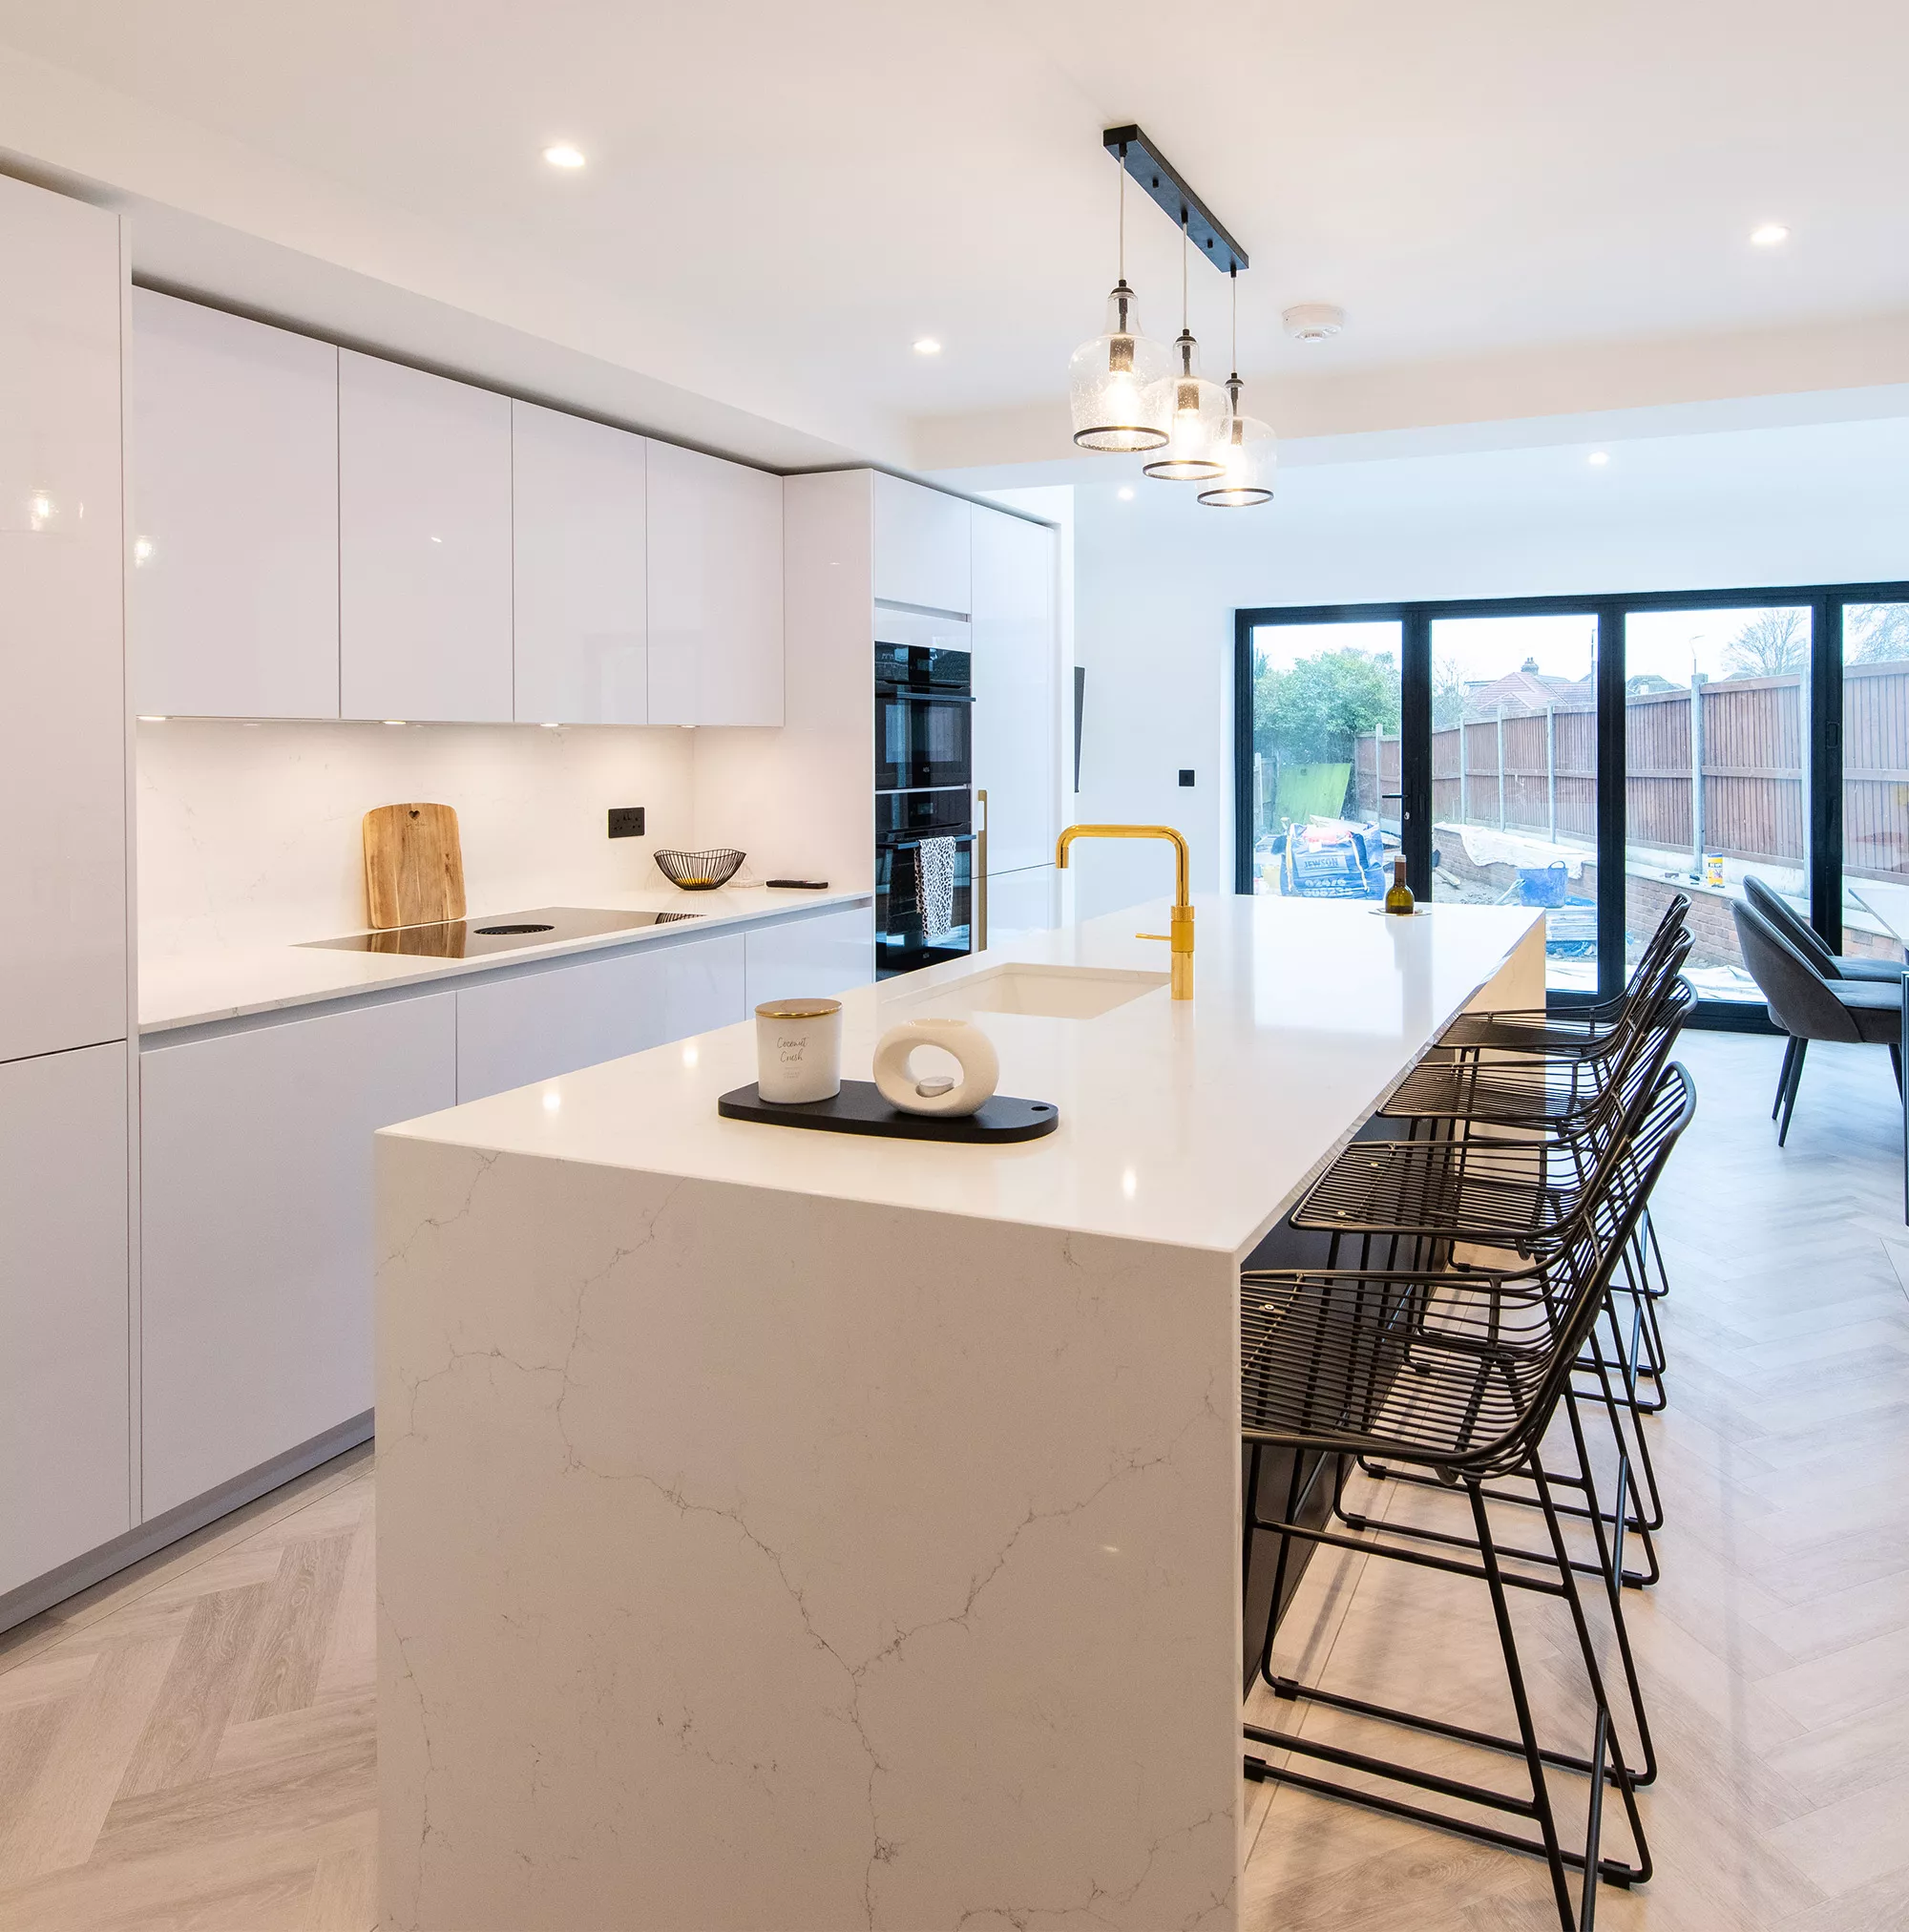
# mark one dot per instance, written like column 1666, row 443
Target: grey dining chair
column 1802, row 936
column 1808, row 1006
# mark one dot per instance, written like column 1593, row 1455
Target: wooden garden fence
column 1537, row 772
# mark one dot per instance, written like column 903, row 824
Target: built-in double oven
column 924, row 791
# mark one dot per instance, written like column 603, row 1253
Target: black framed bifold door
column 1591, row 757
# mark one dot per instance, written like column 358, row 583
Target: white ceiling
column 797, row 193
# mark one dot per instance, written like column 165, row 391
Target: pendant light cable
column 1183, row 267
column 1120, row 251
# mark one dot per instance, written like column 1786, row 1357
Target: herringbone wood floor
column 192, row 1746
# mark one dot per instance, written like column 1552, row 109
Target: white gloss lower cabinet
column 825, row 954
column 256, row 1219
column 65, row 1470
column 715, row 591
column 541, row 1024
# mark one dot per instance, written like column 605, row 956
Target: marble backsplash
column 249, row 834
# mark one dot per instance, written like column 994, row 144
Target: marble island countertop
column 229, row 983
column 880, row 1494
column 1187, row 1123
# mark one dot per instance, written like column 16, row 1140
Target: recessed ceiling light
column 928, row 346
column 1772, row 235
column 1125, row 496
column 399, row 722
column 1599, row 458
column 561, row 154
column 153, row 717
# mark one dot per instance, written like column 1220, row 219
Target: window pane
column 1875, row 774
column 1703, row 830
column 1515, row 776
column 1326, row 758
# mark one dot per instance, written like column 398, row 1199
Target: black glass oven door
column 924, row 897
column 922, row 742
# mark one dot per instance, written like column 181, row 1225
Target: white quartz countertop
column 1194, row 1125
column 229, row 983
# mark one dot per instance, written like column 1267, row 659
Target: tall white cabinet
column 65, row 1422
column 424, row 517
column 715, row 591
column 65, row 1389
column 1017, row 674
column 580, row 545
column 234, row 589
column 922, row 543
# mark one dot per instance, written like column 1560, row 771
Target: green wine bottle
column 1399, row 899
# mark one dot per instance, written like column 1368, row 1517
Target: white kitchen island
column 789, row 1532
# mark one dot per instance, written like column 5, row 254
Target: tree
column 1770, row 645
column 1876, row 633
column 1450, row 690
column 1310, row 713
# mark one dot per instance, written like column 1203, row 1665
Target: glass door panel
column 1515, row 776
column 1716, row 777
column 1324, row 788
column 1875, row 776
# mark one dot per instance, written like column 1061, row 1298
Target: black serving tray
column 859, row 1108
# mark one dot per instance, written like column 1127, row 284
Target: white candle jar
column 798, row 1050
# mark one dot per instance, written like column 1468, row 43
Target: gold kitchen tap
column 1181, row 937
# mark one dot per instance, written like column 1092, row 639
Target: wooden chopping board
column 413, row 866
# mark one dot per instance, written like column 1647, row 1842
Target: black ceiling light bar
column 1163, row 185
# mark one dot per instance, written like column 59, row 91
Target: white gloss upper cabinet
column 715, row 591
column 424, row 503
column 64, row 1416
column 63, row 968
column 1016, row 668
column 582, row 623
column 233, row 604
column 921, row 546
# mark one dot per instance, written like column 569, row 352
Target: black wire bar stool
column 1543, row 1031
column 1463, row 1091
column 1459, row 1374
column 1568, row 1033
column 1603, row 1206
column 1516, row 1195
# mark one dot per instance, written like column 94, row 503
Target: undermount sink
column 1050, row 991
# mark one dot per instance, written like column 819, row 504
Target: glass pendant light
column 1112, row 379
column 1247, row 447
column 1191, row 410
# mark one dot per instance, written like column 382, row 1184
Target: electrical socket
column 626, row 821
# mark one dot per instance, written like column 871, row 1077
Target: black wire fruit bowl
column 700, row 872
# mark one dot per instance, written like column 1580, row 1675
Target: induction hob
column 501, row 933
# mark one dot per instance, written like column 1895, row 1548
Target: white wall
column 250, row 833
column 1158, row 580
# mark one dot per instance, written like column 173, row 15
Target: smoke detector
column 1314, row 320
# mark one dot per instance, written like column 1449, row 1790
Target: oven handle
column 980, row 870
